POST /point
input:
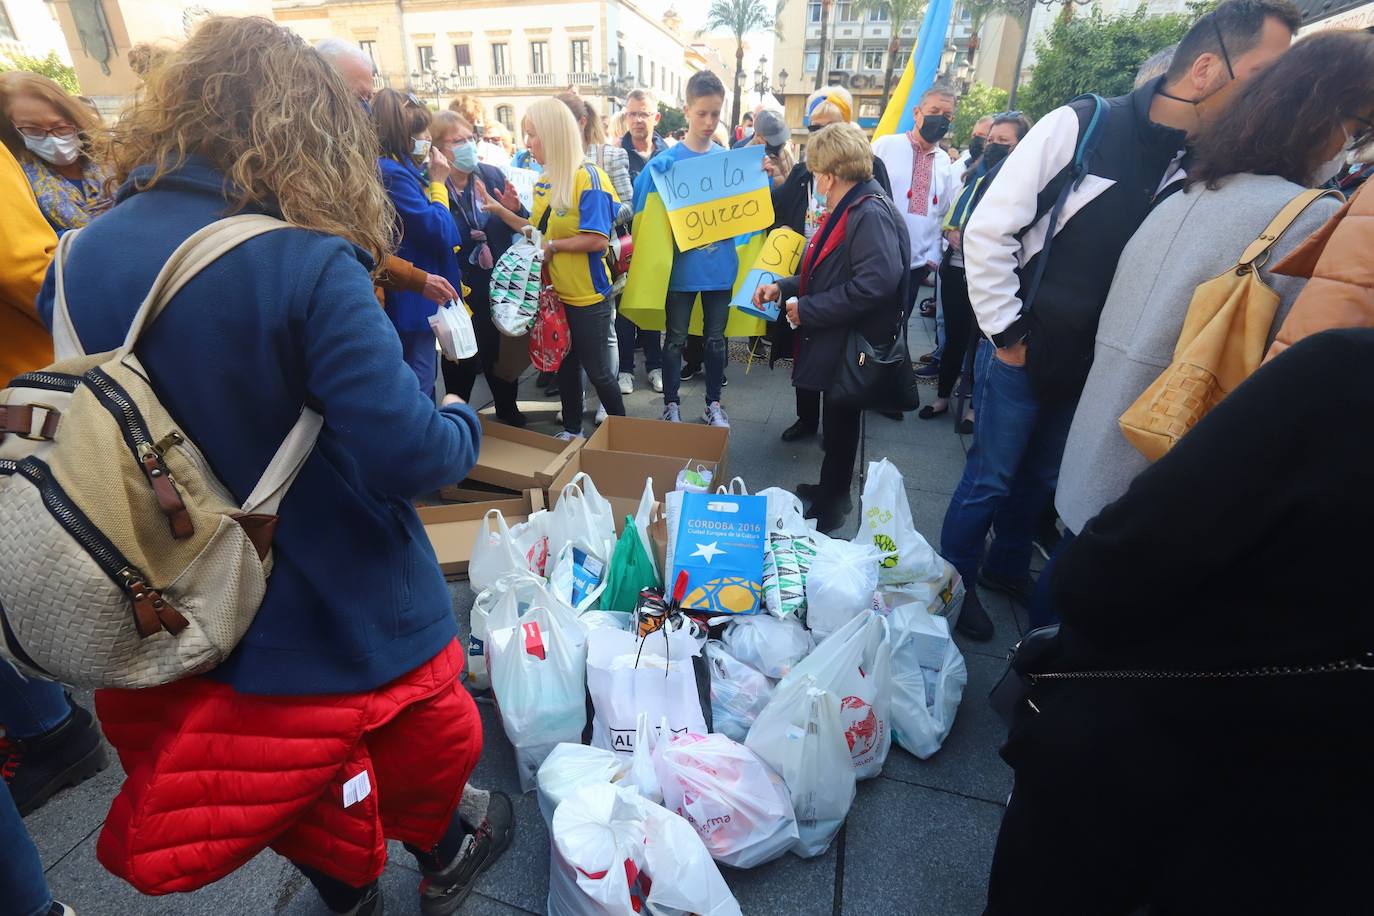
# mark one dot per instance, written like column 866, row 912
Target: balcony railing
column 584, row 79
column 501, row 80
column 465, row 81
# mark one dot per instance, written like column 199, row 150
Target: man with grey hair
column 1156, row 65
column 641, row 142
column 353, row 65
column 924, row 180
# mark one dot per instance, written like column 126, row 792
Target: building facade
column 31, row 27
column 507, row 53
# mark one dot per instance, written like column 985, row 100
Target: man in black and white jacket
column 1032, row 366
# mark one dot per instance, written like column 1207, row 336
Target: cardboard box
column 453, row 530
column 620, row 479
column 473, row 491
column 519, row 459
column 682, row 442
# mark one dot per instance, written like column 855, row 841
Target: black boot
column 828, row 511
column 799, row 430
column 974, row 621
column 38, row 768
column 446, row 885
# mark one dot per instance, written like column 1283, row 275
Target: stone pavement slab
column 919, row 838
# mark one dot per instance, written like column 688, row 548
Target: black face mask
column 933, row 127
column 975, row 148
column 994, row 153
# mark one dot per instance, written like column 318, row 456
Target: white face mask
column 420, row 150
column 57, row 150
column 1333, row 166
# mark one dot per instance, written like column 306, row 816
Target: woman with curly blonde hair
column 338, row 721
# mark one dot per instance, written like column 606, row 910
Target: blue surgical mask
column 465, row 157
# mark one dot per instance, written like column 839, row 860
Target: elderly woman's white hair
column 337, row 49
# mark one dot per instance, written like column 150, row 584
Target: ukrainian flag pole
column 921, row 67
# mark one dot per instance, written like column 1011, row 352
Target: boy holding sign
column 708, row 271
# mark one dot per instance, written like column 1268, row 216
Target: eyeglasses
column 65, row 131
column 639, row 115
column 813, row 127
column 410, row 97
column 1364, row 135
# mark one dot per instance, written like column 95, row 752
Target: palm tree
column 821, row 69
column 741, row 17
column 899, row 13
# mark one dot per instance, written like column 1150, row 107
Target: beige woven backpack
column 124, row 561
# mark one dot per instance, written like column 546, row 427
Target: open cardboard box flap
column 453, row 530
column 519, row 459
column 683, row 442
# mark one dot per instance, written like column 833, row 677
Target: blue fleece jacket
column 356, row 598
column 428, row 239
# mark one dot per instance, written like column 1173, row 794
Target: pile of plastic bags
column 731, row 735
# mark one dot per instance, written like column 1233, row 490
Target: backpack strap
column 65, row 343
column 1088, row 140
column 1258, row 252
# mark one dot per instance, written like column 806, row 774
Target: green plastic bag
column 631, row 571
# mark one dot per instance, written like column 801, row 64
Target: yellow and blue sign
column 780, row 257
column 716, row 197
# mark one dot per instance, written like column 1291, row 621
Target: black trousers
column 460, row 377
column 840, row 437
column 590, row 327
column 959, row 325
column 809, row 407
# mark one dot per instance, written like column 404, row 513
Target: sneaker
column 724, row 382
column 714, row 415
column 690, row 372
column 38, row 768
column 61, row 909
column 566, row 436
column 928, row 370
column 442, row 892
column 656, row 380
column 600, row 414
column 627, row 383
column 672, row 413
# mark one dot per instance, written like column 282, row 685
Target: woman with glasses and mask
column 415, row 176
column 1008, row 127
column 483, row 239
column 51, row 142
column 797, row 206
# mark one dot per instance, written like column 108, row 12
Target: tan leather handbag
column 1222, row 342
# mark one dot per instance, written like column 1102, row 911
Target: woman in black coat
column 1239, row 787
column 852, row 276
column 484, row 239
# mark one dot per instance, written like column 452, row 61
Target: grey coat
column 1188, row 239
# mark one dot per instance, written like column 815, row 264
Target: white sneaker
column 672, row 413
column 601, row 414
column 566, row 436
column 714, row 415
column 627, row 383
column 656, row 380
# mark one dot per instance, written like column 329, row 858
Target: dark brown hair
column 398, row 117
column 591, row 129
column 1280, row 120
column 702, row 84
column 1240, row 23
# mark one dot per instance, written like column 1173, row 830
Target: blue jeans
column 417, row 348
column 715, row 312
column 628, row 335
column 30, row 708
column 1042, row 611
column 1010, row 474
column 23, row 889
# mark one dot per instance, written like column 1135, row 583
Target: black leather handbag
column 1031, row 656
column 873, row 377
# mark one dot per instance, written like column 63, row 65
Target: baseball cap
column 771, row 127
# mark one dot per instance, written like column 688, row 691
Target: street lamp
column 761, row 78
column 437, row 83
column 782, row 80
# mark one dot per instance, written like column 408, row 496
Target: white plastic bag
column 770, row 645
column 928, row 679
column 694, row 479
column 568, row 768
column 526, row 546
column 582, row 514
column 943, row 597
column 616, row 620
column 738, row 692
column 839, row 584
column 616, row 854
column 885, row 522
column 656, row 678
column 648, row 513
column 524, row 590
column 578, row 575
column 641, row 775
column 736, row 804
column 800, row 735
column 452, row 326
column 855, row 664
column 538, row 674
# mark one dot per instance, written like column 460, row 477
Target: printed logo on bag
column 862, row 728
column 708, row 552
column 476, row 647
column 889, row 548
column 623, row 739
column 720, row 546
column 538, row 556
column 534, row 639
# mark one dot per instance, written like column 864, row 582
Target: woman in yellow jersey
column 574, row 207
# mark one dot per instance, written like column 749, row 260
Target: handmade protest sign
column 524, row 181
column 717, row 196
column 781, row 254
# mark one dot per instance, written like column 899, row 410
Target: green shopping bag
column 631, row 571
